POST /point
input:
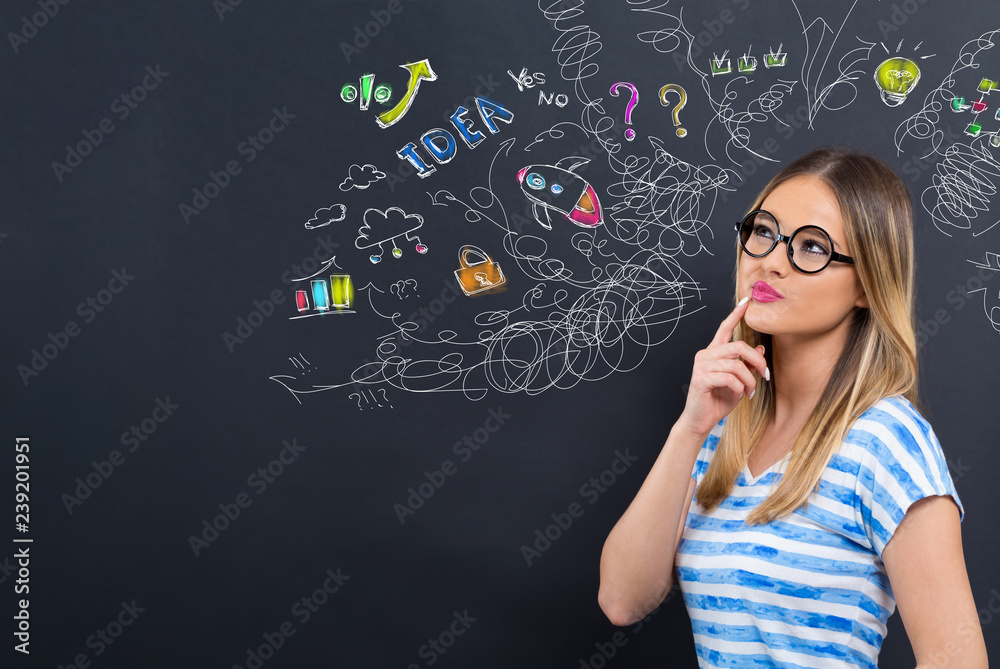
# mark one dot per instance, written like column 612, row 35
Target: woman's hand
column 721, row 376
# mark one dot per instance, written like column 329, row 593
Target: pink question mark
column 629, row 134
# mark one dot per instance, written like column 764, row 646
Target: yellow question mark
column 675, row 88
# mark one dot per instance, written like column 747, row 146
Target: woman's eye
column 762, row 231
column 815, row 248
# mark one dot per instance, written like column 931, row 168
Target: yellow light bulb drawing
column 896, row 77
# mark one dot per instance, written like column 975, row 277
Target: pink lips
column 762, row 292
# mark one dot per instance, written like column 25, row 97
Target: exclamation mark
column 366, row 89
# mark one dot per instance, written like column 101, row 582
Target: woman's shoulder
column 891, row 422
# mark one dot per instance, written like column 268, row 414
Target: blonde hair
column 880, row 354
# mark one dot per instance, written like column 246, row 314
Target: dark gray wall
column 554, row 381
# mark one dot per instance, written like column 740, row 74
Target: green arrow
column 418, row 71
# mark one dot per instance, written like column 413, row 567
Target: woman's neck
column 802, row 366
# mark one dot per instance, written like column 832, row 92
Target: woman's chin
column 764, row 323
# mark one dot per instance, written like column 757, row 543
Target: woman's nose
column 777, row 260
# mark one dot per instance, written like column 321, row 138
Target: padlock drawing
column 478, row 277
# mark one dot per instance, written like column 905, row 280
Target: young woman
column 801, row 496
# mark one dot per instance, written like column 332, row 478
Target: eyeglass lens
column 810, row 246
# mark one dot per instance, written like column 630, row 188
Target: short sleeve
column 902, row 463
column 706, row 453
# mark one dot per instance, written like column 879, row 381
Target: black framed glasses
column 810, row 248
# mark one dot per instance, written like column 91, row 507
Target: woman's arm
column 926, row 567
column 638, row 558
column 637, row 562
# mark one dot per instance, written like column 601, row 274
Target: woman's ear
column 862, row 301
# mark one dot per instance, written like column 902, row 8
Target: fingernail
column 750, row 396
column 743, row 300
column 767, row 373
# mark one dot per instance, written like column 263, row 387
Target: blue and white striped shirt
column 809, row 589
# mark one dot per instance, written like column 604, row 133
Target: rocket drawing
column 558, row 188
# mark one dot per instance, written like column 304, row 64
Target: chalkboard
column 342, row 333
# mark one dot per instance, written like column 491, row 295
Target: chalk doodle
column 364, row 92
column 381, row 227
column 478, row 278
column 571, row 324
column 419, row 71
column 720, row 65
column 335, row 213
column 361, row 177
column 557, row 188
column 964, row 182
column 958, row 105
column 370, row 396
column 338, row 294
column 443, row 153
column 737, row 124
column 400, row 287
column 525, row 80
column 816, row 34
column 747, row 63
column 300, row 362
column 991, row 301
column 675, row 88
column 630, row 133
column 966, row 173
column 896, row 78
column 775, row 57
column 924, row 126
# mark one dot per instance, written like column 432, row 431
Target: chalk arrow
column 419, row 71
column 371, row 287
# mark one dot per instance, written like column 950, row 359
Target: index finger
column 725, row 332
